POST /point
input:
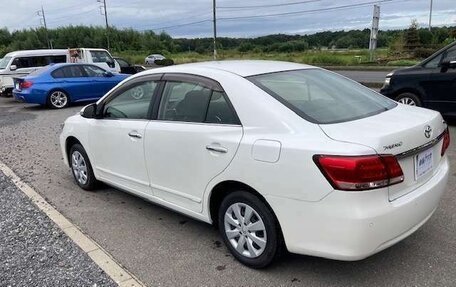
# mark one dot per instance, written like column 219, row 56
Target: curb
column 98, row 255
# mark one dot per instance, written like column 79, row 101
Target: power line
column 308, row 11
column 267, row 6
column 180, row 25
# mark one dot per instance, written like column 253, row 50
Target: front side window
column 133, row 103
column 434, row 63
column 101, row 57
column 24, row 62
column 450, row 55
column 93, row 71
column 322, row 97
column 123, row 63
column 4, row 62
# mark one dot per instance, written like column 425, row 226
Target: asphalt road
column 164, row 248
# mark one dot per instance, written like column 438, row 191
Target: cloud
column 143, row 15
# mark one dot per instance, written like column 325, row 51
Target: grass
column 328, row 58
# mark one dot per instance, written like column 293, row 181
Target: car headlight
column 387, row 81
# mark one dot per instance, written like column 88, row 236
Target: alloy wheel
column 58, row 99
column 407, row 101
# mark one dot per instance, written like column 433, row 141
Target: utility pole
column 214, row 8
column 430, row 16
column 43, row 22
column 374, row 32
column 104, row 12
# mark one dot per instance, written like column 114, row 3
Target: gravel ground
column 34, row 251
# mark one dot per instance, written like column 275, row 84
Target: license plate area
column 424, row 162
column 17, row 86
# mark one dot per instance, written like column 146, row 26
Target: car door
column 193, row 138
column 100, row 79
column 76, row 83
column 117, row 138
column 441, row 86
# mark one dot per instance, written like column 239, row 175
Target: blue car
column 59, row 85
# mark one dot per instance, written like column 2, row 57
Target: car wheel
column 81, row 168
column 409, row 99
column 58, row 99
column 249, row 229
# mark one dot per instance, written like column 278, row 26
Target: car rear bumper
column 29, row 97
column 354, row 225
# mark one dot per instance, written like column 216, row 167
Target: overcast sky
column 174, row 16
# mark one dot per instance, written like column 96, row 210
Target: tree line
column 151, row 42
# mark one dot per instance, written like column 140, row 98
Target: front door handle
column 134, row 134
column 217, row 148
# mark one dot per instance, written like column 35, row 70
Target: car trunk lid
column 412, row 134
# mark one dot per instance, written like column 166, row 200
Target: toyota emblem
column 427, row 131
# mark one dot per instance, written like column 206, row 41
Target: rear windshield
column 321, row 96
column 4, row 62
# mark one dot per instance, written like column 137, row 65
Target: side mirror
column 13, row 68
column 89, row 111
column 108, row 74
column 447, row 64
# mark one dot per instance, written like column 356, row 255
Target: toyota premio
column 279, row 156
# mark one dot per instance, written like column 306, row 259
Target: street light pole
column 214, row 8
column 430, row 16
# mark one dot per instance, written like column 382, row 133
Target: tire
column 81, row 168
column 58, row 99
column 266, row 229
column 409, row 99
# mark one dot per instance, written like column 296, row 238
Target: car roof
column 37, row 52
column 243, row 68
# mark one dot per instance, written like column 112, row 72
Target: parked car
column 150, row 60
column 277, row 155
column 127, row 68
column 61, row 84
column 21, row 63
column 430, row 84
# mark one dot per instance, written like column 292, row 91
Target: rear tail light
column 25, row 84
column 446, row 141
column 360, row 172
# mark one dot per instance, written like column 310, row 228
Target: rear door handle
column 134, row 134
column 217, row 148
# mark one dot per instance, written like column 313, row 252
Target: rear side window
column 185, row 102
column 194, row 102
column 68, row 72
column 322, row 97
column 38, row 61
column 220, row 111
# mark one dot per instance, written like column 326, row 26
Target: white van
column 22, row 63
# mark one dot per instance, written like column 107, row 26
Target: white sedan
column 150, row 60
column 277, row 155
